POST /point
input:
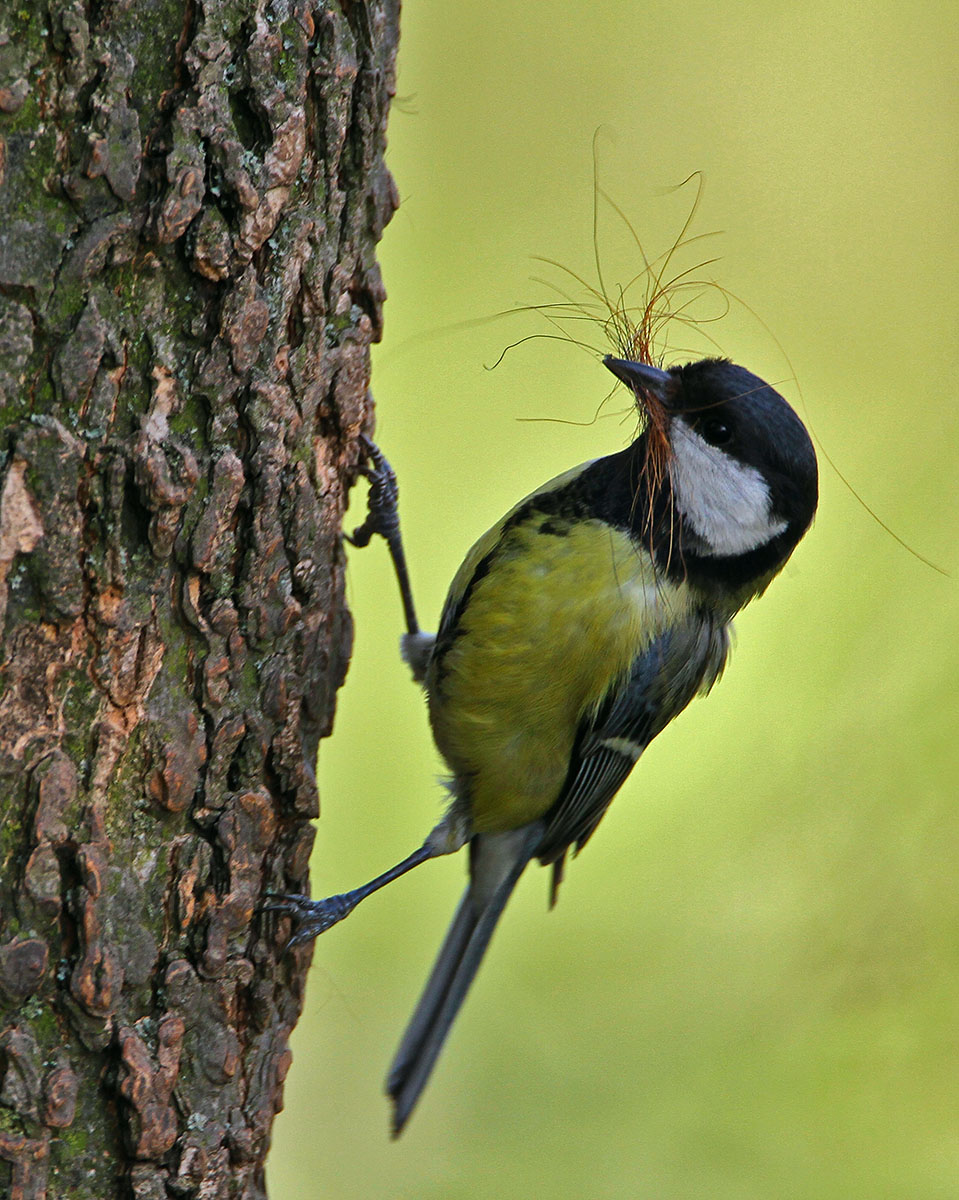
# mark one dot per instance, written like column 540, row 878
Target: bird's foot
column 310, row 917
column 382, row 503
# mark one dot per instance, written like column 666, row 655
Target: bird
column 577, row 628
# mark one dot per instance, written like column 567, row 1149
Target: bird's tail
column 497, row 861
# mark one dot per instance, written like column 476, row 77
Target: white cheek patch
column 725, row 501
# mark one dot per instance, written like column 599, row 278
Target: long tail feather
column 499, row 860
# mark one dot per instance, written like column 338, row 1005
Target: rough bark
column 191, row 195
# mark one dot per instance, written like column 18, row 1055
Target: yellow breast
column 546, row 633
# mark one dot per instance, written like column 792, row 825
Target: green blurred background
column 750, row 986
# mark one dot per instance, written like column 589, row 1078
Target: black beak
column 641, row 377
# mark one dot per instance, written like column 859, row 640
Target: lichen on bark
column 190, row 199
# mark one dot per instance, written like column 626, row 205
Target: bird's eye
column 715, row 431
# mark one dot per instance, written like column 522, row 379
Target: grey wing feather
column 662, row 681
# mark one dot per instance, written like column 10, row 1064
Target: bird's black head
column 741, row 466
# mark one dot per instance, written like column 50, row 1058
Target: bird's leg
column 383, row 517
column 313, row 917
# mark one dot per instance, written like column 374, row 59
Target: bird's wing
column 663, row 679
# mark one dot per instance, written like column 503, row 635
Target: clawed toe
column 310, row 917
column 285, row 902
column 382, row 516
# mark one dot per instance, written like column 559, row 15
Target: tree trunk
column 191, row 196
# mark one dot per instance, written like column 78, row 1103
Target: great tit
column 576, row 629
